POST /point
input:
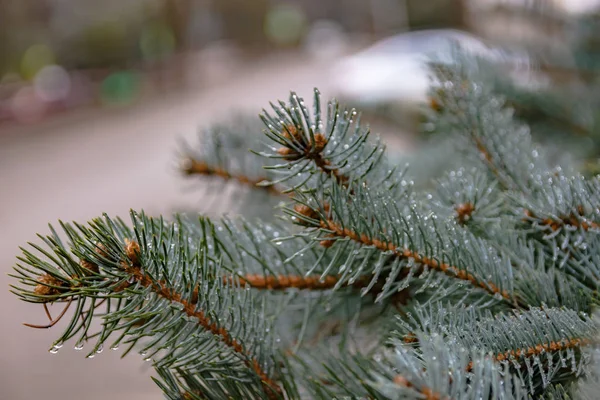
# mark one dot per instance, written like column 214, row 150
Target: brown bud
column 101, row 250
column 435, row 105
column 89, row 266
column 400, row 380
column 320, row 142
column 132, row 250
column 327, row 243
column 44, row 285
column 292, row 133
column 464, row 212
column 191, row 166
column 287, row 153
column 307, row 212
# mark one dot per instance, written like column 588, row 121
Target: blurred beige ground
column 77, row 166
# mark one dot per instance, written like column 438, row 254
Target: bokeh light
column 52, row 83
column 34, row 59
column 285, row 24
column 120, row 88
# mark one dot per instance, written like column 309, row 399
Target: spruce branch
column 562, row 203
column 222, row 161
column 544, row 204
column 485, row 126
column 536, row 344
column 337, row 146
column 435, row 372
column 406, row 243
column 261, row 255
column 246, row 309
column 157, row 286
column 469, row 197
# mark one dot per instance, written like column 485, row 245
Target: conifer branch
column 526, row 337
column 162, row 289
column 405, row 253
column 336, row 146
column 435, row 371
column 539, row 349
column 379, row 225
column 556, row 224
column 469, row 197
column 172, row 302
column 191, row 166
column 486, row 127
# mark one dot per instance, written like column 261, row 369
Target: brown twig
column 195, row 167
column 52, row 321
column 538, row 349
column 134, row 268
column 283, row 282
column 571, row 220
column 445, row 268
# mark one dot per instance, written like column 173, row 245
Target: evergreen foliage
column 482, row 288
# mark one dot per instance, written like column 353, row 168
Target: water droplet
column 78, row 347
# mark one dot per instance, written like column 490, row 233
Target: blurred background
column 94, row 94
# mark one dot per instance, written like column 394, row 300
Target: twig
column 538, row 349
column 282, row 282
column 191, row 166
column 445, row 268
column 160, row 287
column 52, row 322
column 556, row 224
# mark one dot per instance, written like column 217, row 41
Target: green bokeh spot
column 120, row 88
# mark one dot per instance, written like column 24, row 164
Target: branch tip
column 464, row 212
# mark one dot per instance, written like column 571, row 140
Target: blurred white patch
column 52, row 83
column 325, row 40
